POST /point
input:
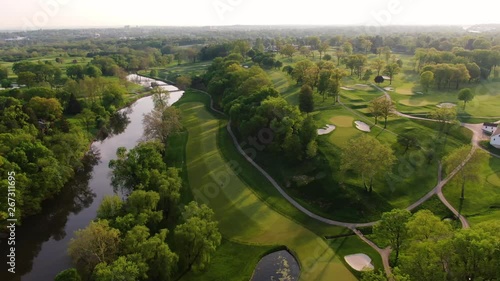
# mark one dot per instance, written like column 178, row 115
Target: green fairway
column 242, row 215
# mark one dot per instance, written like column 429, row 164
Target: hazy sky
column 77, row 13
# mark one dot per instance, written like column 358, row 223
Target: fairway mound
column 362, row 126
column 347, row 88
column 359, row 262
column 326, row 130
column 446, row 105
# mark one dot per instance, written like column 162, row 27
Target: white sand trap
column 347, row 88
column 419, row 93
column 446, row 105
column 362, row 126
column 326, row 130
column 390, row 89
column 359, row 262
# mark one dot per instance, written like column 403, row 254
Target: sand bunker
column 347, row 88
column 446, row 105
column 362, row 126
column 390, row 89
column 359, row 262
column 326, row 130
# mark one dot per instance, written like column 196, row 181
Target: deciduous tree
column 381, row 107
column 198, row 237
column 392, row 229
column 391, row 70
column 368, row 157
column 426, row 80
column 97, row 243
column 306, row 100
column 465, row 95
column 468, row 173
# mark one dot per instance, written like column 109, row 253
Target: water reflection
column 280, row 265
column 117, row 124
column 74, row 197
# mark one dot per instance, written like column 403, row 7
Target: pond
column 280, row 265
column 42, row 240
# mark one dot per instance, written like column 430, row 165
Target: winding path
column 437, row 190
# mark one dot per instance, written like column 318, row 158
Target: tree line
column 428, row 248
column 144, row 236
column 249, row 98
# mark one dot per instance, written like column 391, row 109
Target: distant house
column 495, row 138
column 489, row 128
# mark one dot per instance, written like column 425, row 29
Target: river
column 42, row 240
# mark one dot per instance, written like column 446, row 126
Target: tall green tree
column 392, row 229
column 368, row 157
column 160, row 123
column 426, row 80
column 425, row 226
column 408, row 140
column 378, row 65
column 306, row 99
column 391, row 70
column 323, row 47
column 465, row 95
column 119, row 270
column 68, row 275
column 381, row 107
column 197, row 238
column 288, row 50
column 468, row 172
column 153, row 251
column 4, row 73
column 97, row 243
column 446, row 116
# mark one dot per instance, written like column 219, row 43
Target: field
column 337, row 195
column 482, row 199
column 243, row 217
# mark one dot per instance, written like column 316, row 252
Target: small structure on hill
column 490, row 128
column 495, row 138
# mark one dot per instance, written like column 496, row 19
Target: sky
column 36, row 14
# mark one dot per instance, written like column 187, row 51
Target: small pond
column 280, row 265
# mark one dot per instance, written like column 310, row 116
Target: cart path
column 384, row 253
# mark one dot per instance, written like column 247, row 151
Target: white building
column 495, row 138
column 489, row 127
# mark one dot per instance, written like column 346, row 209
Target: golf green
column 242, row 216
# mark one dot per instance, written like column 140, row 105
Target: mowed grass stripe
column 242, row 216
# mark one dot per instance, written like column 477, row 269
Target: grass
column 242, row 216
column 224, row 265
column 482, row 108
column 482, row 199
column 341, row 196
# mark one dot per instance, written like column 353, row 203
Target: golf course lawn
column 242, row 216
column 482, row 199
